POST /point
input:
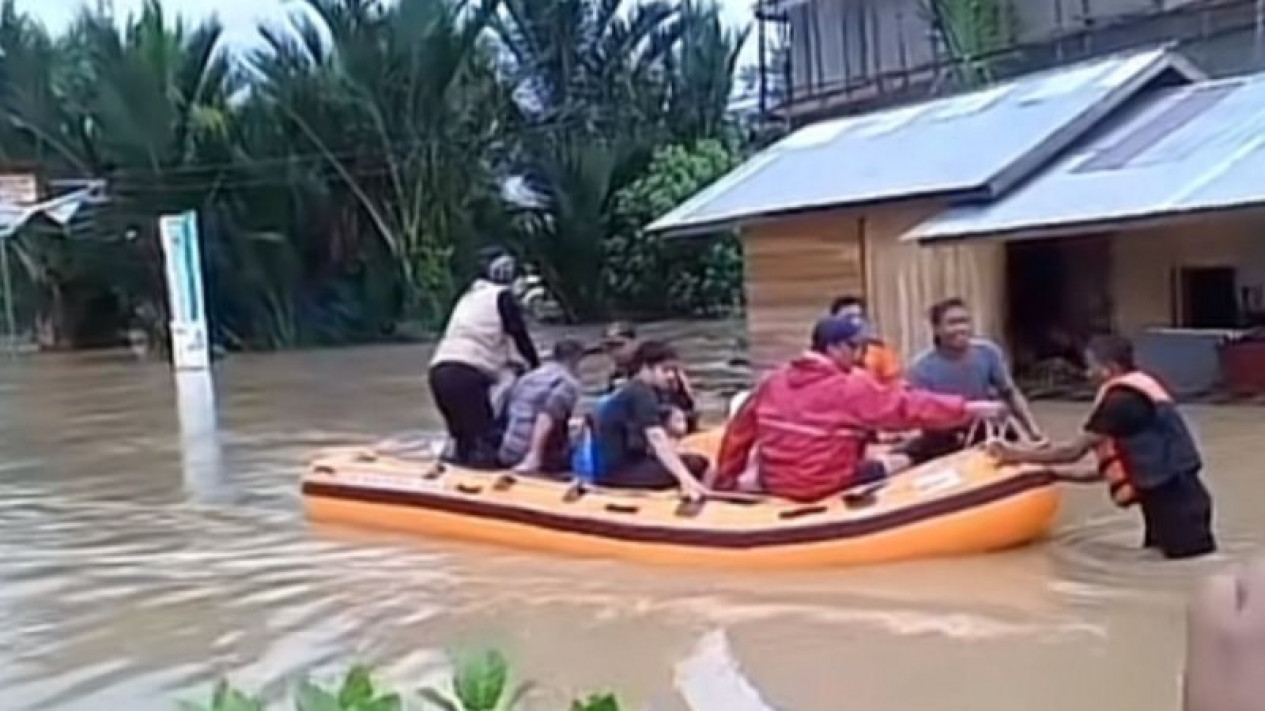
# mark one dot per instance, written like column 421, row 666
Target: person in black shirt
column 1144, row 451
column 637, row 452
column 620, row 343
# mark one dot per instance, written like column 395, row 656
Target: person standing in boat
column 636, row 450
column 811, row 421
column 875, row 355
column 959, row 363
column 538, row 413
column 620, row 343
column 473, row 355
column 1143, row 449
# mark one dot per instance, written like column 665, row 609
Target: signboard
column 182, row 257
column 19, row 188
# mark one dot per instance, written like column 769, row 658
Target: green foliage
column 974, row 31
column 480, row 683
column 226, row 698
column 646, row 274
column 346, row 184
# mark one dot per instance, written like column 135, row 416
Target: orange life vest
column 881, row 361
column 1111, row 465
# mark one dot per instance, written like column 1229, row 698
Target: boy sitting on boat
column 635, row 449
column 810, row 421
column 1143, row 449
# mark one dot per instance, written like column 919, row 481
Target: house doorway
column 1058, row 294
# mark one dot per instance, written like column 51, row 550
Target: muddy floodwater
column 139, row 562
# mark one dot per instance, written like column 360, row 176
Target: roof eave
column 1030, row 163
column 694, row 229
column 1078, row 228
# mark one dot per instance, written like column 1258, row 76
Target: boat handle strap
column 689, row 508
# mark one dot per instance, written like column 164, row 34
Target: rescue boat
column 962, row 504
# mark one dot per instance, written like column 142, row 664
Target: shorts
column 1178, row 517
column 650, row 474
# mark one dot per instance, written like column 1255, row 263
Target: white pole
column 10, row 323
column 186, row 303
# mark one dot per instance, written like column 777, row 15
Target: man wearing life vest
column 474, row 355
column 811, row 421
column 876, row 357
column 1143, row 450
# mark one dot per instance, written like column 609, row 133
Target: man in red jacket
column 811, row 420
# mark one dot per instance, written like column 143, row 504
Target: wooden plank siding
column 793, row 268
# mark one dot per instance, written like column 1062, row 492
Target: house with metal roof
column 823, row 211
column 1165, row 205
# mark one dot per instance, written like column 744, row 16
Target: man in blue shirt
column 973, row 368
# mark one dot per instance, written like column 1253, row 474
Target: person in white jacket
column 473, row 355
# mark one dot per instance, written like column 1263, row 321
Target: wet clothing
column 469, row 359
column 627, row 458
column 622, row 423
column 1150, row 459
column 809, row 423
column 461, row 395
column 551, row 390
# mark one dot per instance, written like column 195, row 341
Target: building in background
column 826, row 58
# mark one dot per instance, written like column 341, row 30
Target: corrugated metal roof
column 981, row 142
column 1206, row 151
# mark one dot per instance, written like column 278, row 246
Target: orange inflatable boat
column 961, row 504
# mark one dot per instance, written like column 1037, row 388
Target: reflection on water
column 151, row 540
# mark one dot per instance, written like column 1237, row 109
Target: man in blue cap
column 810, row 421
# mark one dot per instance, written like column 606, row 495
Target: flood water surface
column 139, row 562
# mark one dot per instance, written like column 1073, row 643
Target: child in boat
column 675, row 423
column 1144, row 450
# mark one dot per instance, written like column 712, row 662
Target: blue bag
column 586, row 457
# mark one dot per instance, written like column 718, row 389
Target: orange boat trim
column 833, row 531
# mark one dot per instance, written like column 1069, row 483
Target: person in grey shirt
column 961, row 364
column 538, row 412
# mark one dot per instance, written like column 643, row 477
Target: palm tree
column 402, row 107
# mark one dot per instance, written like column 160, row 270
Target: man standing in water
column 1143, row 449
column 961, row 364
column 473, row 355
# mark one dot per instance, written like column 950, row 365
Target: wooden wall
column 905, row 278
column 793, row 268
column 1144, row 259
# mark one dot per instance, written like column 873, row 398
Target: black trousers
column 649, row 473
column 461, row 394
column 1178, row 517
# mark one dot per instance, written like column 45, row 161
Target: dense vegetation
column 348, row 173
column 480, row 682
